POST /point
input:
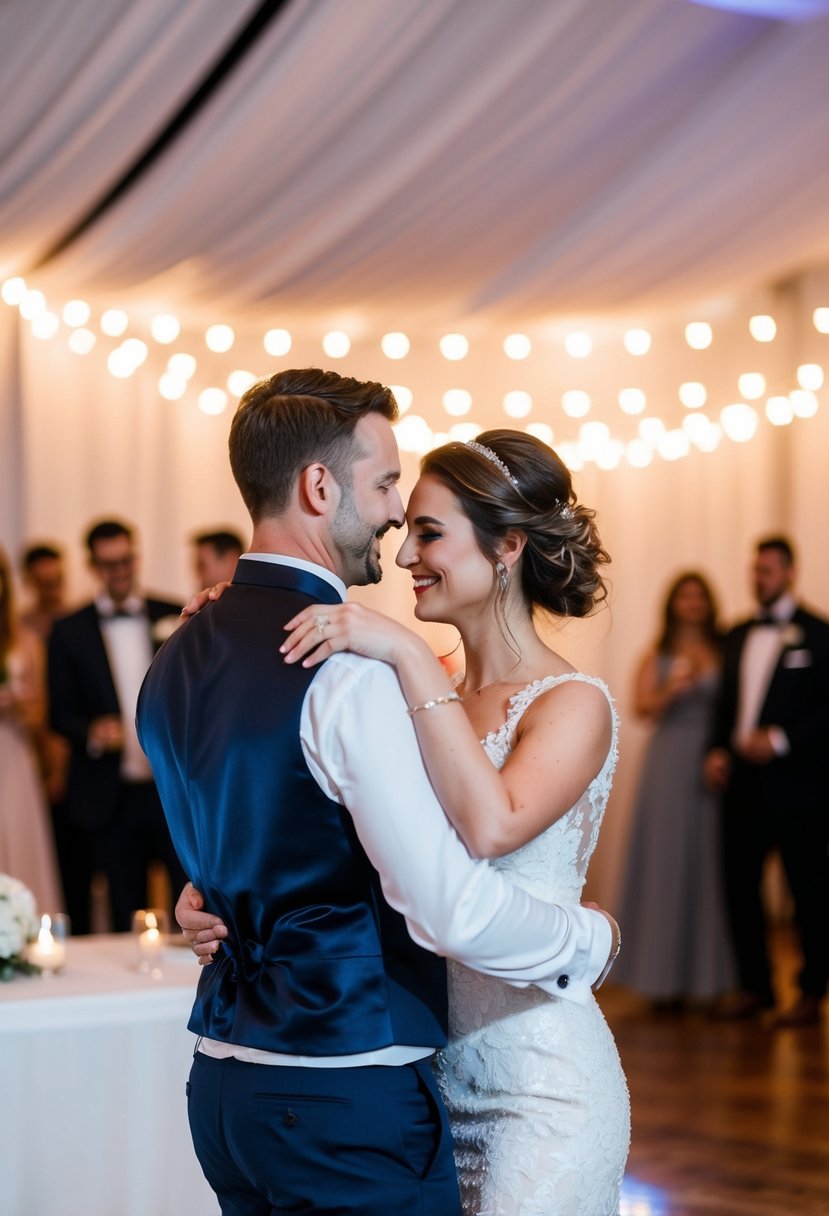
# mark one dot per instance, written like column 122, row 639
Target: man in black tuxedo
column 98, row 657
column 768, row 757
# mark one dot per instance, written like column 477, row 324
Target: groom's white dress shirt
column 361, row 748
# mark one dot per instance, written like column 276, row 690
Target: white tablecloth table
column 93, row 1067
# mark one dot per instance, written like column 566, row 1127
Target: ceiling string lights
column 628, row 430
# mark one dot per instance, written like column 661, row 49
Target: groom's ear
column 318, row 491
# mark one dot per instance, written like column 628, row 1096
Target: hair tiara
column 489, row 455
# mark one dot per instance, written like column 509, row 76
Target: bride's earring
column 503, row 575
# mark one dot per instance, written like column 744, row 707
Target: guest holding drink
column 672, row 906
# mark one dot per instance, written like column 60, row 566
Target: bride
column 521, row 754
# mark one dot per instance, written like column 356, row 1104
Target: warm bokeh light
column 752, row 385
column 820, row 320
column 457, row 402
column 114, row 322
column 517, row 346
column 239, row 381
column 739, row 421
column 673, row 445
column 804, row 403
column 172, row 388
column 575, row 403
column 32, row 305
column 593, row 436
column 135, row 350
column 463, row 432
column 395, row 345
column 120, row 364
column 277, row 342
column 698, row 335
column 81, row 341
column 651, row 430
column 542, row 431
column 182, row 365
column 697, row 427
column 632, row 400
column 637, row 341
column 76, row 313
column 13, row 290
column 213, row 400
column 336, row 344
column 219, row 338
column 413, row 434
column 762, row 328
column 779, row 411
column 454, row 346
column 578, row 345
column 693, row 394
column 517, row 403
column 45, row 325
column 810, row 376
column 165, row 328
column 403, row 396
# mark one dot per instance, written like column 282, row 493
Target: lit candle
column 150, row 943
column 47, row 952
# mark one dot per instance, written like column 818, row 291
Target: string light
column 578, row 345
column 277, row 342
column 637, row 341
column 779, row 411
column 810, row 376
column 114, row 322
column 336, row 344
column 692, row 394
column 395, row 345
column 457, row 402
column 576, row 403
column 632, row 400
column 454, row 347
column 76, row 313
column 219, row 338
column 165, row 328
column 698, row 335
column 403, row 396
column 739, row 421
column 517, row 404
column 517, row 346
column 763, row 328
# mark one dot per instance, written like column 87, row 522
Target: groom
column 300, row 808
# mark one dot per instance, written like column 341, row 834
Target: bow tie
column 765, row 618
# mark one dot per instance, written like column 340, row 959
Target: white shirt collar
column 783, row 609
column 133, row 605
column 279, row 559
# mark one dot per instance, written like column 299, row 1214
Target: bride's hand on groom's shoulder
column 321, row 630
column 204, row 597
column 202, row 930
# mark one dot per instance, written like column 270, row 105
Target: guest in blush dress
column 27, row 849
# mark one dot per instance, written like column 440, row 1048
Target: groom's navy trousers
column 333, row 1141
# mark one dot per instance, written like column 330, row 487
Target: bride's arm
column 561, row 744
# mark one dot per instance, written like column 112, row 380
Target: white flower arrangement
column 18, row 924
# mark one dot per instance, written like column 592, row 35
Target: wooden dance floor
column 728, row 1119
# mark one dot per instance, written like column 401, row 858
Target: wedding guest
column 677, row 947
column 42, row 568
column 26, row 845
column 98, row 657
column 767, row 757
column 215, row 556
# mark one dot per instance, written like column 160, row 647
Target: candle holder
column 150, row 927
column 48, row 950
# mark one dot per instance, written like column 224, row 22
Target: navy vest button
column 563, row 981
column 291, row 1119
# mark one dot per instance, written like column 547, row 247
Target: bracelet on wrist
column 447, row 700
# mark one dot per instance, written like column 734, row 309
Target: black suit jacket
column 797, row 699
column 81, row 688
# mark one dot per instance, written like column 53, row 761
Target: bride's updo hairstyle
column 528, row 488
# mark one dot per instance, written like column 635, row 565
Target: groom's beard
column 358, row 543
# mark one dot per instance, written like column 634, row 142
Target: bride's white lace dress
column 536, row 1094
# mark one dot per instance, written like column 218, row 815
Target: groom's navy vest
column 315, row 963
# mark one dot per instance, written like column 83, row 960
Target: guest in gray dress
column 677, row 946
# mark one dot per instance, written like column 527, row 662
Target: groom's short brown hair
column 294, row 419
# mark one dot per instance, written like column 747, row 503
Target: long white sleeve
column 362, row 749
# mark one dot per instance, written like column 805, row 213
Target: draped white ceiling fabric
column 426, row 166
column 417, row 157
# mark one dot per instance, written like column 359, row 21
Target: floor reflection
column 640, row 1199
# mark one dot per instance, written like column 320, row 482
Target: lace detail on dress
column 535, row 1090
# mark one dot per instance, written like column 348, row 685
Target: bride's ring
column 319, row 624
